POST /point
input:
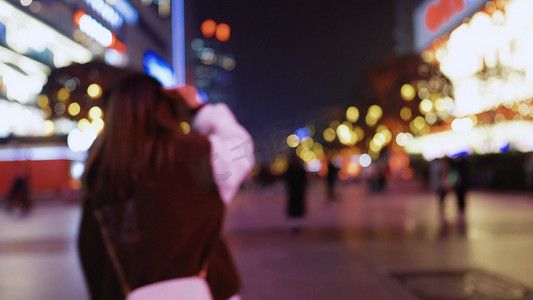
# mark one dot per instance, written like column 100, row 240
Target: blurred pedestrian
column 19, row 195
column 528, row 170
column 331, row 179
column 296, row 181
column 460, row 181
column 438, row 178
column 160, row 192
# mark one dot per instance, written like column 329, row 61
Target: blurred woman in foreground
column 161, row 192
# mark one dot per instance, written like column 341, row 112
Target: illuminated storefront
column 52, row 131
column 484, row 49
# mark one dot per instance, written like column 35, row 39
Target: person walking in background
column 331, row 179
column 296, row 181
column 438, row 179
column 460, row 182
column 19, row 194
column 161, row 193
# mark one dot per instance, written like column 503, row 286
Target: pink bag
column 186, row 288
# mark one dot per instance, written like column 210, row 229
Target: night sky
column 297, row 58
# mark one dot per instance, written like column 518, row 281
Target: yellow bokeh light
column 440, row 105
column 344, row 133
column 387, row 134
column 374, row 147
column 407, row 92
column 334, row 124
column 381, row 128
column 42, row 101
column 293, row 141
column 94, row 90
column 95, row 113
column 370, row 121
column 317, row 146
column 49, row 127
column 423, row 93
column 329, row 135
column 308, row 142
column 280, row 164
column 185, row 127
column 425, row 106
column 375, row 111
column 419, row 122
column 97, row 124
column 63, row 94
column 523, row 109
column 348, row 124
column 353, row 139
column 74, row 109
column 359, row 132
column 379, row 139
column 431, row 118
column 352, row 114
column 47, row 112
column 83, row 124
column 413, row 127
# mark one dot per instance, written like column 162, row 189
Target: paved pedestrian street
column 364, row 245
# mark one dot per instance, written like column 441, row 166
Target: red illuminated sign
column 441, row 11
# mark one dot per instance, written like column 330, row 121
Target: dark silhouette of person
column 438, row 178
column 296, row 180
column 19, row 194
column 461, row 182
column 331, row 179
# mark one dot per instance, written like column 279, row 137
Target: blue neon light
column 303, row 133
column 127, row 11
column 178, row 40
column 155, row 66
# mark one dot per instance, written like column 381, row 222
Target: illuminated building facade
column 40, row 38
column 484, row 48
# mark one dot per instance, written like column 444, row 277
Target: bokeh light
column 63, row 94
column 329, row 135
column 42, row 101
column 83, row 124
column 405, row 113
column 407, row 92
column 208, row 28
column 365, row 160
column 49, row 127
column 74, row 109
column 185, row 127
column 352, row 114
column 425, row 106
column 94, row 90
column 95, row 113
column 98, row 125
column 344, row 133
column 293, row 141
column 222, row 32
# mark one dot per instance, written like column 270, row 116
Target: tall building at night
column 210, row 61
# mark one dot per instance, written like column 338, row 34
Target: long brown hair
column 138, row 139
